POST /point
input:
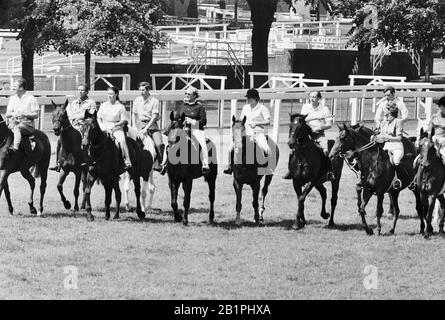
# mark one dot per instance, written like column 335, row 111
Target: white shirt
column 253, row 115
column 26, row 104
column 380, row 112
column 109, row 114
column 145, row 109
column 319, row 112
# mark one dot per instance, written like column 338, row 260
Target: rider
column 111, row 118
column 390, row 96
column 76, row 114
column 146, row 115
column 196, row 117
column 438, row 124
column 391, row 130
column 257, row 119
column 21, row 112
column 319, row 119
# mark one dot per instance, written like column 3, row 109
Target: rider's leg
column 120, row 138
column 57, row 166
column 201, row 138
column 288, row 174
column 17, row 137
column 228, row 169
column 261, row 141
column 157, row 138
column 323, row 141
column 397, row 156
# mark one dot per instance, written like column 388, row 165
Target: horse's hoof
column 141, row 215
column 33, row 210
column 90, row 217
column 369, row 231
column 67, row 205
column 442, row 233
column 427, row 236
column 185, row 222
column 238, row 222
column 331, row 224
column 39, row 213
column 325, row 215
column 116, row 217
column 107, row 217
column 11, row 211
column 76, row 209
column 178, row 218
column 83, row 207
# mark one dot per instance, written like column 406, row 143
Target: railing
column 334, row 93
column 377, row 60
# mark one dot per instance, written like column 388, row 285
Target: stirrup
column 413, row 185
column 228, row 170
column 330, row 176
column 55, row 168
column 288, row 175
column 397, row 184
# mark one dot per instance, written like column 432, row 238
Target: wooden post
column 221, row 106
column 276, row 119
column 354, row 108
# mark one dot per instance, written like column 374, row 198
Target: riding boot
column 159, row 155
column 229, row 169
column 397, row 184
column 288, row 175
column 164, row 160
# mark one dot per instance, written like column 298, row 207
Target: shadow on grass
column 284, row 224
column 349, row 227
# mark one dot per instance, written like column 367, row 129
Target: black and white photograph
column 222, row 154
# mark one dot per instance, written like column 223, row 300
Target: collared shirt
column 76, row 110
column 26, row 104
column 438, row 123
column 257, row 114
column 145, row 110
column 393, row 127
column 380, row 112
column 110, row 114
column 319, row 112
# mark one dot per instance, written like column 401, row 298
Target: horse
column 430, row 180
column 70, row 155
column 108, row 166
column 308, row 168
column 184, row 165
column 25, row 160
column 377, row 174
column 149, row 156
column 249, row 167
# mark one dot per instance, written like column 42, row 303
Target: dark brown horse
column 184, row 165
column 308, row 167
column 249, row 167
column 108, row 166
column 430, row 180
column 377, row 173
column 27, row 159
column 70, row 154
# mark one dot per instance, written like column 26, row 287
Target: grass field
column 160, row 259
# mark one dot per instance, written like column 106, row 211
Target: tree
column 109, row 28
column 33, row 20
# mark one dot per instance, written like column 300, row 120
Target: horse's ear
column 340, row 126
column 421, row 133
column 244, row 120
column 290, row 116
column 90, row 115
column 172, row 116
column 65, row 104
column 233, row 119
column 305, row 116
column 182, row 117
column 432, row 132
column 54, row 104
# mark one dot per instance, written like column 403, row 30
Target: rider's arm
column 122, row 120
column 266, row 116
column 403, row 110
column 154, row 114
column 10, row 109
column 379, row 115
column 327, row 119
column 430, row 127
column 398, row 132
column 35, row 109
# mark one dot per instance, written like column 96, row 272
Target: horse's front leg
column 211, row 184
column 379, row 212
column 366, row 195
column 238, row 186
column 419, row 210
column 431, row 204
column 118, row 196
column 78, row 175
column 359, row 190
column 5, row 186
column 174, row 186
column 322, row 190
column 300, row 221
column 441, row 199
column 43, row 177
column 88, row 185
column 264, row 191
column 255, row 194
column 137, row 192
column 62, row 176
column 187, row 187
column 84, row 185
column 32, row 184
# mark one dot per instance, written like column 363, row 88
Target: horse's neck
column 248, row 145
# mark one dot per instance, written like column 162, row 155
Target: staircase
column 214, row 53
column 382, row 53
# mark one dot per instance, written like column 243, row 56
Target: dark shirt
column 195, row 111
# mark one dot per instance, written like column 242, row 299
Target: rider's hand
column 349, row 154
column 380, row 139
column 253, row 125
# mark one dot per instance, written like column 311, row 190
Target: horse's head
column 238, row 131
column 90, row 129
column 345, row 141
column 176, row 128
column 60, row 118
column 427, row 149
column 298, row 129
